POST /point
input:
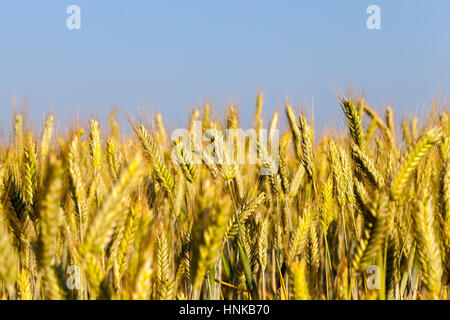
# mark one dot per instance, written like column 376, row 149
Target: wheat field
column 98, row 213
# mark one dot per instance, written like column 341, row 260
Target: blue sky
column 175, row 54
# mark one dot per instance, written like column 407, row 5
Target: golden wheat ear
column 418, row 152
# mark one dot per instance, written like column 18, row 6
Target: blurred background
column 173, row 56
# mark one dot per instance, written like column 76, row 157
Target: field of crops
column 93, row 212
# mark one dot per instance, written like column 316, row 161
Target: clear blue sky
column 175, row 54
